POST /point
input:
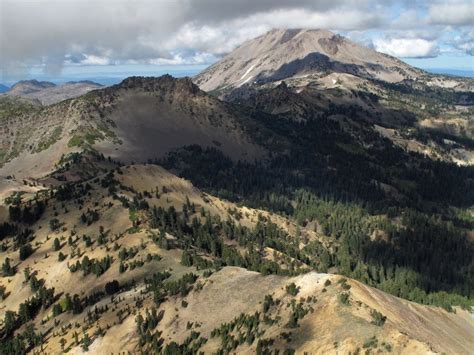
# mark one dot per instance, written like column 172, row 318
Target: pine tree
column 186, row 258
column 86, row 342
column 9, row 322
column 7, row 269
column 57, row 244
column 25, row 251
column 62, row 342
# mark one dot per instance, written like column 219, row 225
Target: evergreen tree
column 57, row 244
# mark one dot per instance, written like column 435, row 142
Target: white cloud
column 222, row 38
column 52, row 33
column 458, row 13
column 91, row 59
column 185, row 58
column 341, row 19
column 407, row 47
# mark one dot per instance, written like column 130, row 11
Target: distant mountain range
column 49, row 93
column 3, row 88
column 454, row 72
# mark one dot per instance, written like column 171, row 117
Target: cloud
column 221, row 38
column 95, row 60
column 51, row 33
column 458, row 13
column 464, row 42
column 407, row 47
column 46, row 31
column 408, row 19
column 212, row 11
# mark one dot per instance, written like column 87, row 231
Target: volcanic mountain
column 302, row 74
column 299, row 53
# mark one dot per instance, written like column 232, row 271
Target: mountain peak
column 299, row 53
column 35, row 83
column 24, row 87
column 164, row 82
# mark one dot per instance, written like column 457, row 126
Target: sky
column 67, row 39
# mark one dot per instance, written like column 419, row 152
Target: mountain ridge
column 123, row 121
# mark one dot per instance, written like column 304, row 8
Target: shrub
column 377, row 318
column 292, row 289
column 344, row 284
column 3, row 292
column 344, row 298
column 371, row 343
column 268, row 303
column 54, row 224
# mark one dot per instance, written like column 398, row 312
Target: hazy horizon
column 110, row 75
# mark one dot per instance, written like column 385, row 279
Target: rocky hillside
column 137, row 120
column 140, row 260
column 153, row 116
column 292, row 54
column 49, row 93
